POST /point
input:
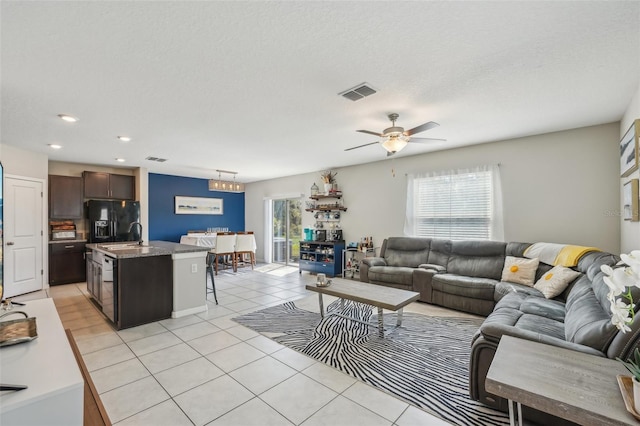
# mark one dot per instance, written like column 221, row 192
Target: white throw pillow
column 519, row 270
column 555, row 281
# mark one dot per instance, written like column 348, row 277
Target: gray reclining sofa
column 466, row 276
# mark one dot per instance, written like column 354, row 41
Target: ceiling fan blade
column 369, row 132
column 421, row 128
column 423, row 140
column 360, row 146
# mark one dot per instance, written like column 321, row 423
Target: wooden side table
column 568, row 384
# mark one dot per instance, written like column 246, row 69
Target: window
column 455, row 205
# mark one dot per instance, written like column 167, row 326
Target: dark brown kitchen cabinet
column 144, row 290
column 65, row 197
column 109, row 186
column 66, row 263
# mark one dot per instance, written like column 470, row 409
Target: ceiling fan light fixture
column 394, row 143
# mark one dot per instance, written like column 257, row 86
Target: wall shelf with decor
column 327, row 209
column 321, row 257
column 337, row 194
column 320, row 203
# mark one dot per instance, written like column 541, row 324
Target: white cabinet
column 48, row 367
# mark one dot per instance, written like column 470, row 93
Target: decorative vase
column 327, row 187
column 334, row 186
column 636, row 395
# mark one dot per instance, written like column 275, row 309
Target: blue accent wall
column 166, row 225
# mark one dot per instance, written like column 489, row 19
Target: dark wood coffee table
column 379, row 296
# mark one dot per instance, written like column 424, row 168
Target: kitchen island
column 137, row 284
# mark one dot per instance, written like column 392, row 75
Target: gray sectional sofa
column 466, row 276
column 462, row 275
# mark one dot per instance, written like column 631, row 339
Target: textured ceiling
column 252, row 86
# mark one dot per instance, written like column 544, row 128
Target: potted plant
column 621, row 279
column 329, row 179
column 633, row 365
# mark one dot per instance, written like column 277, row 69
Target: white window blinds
column 456, row 205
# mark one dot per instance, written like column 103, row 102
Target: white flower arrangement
column 620, row 280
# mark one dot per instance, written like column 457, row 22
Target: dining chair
column 196, row 232
column 225, row 247
column 210, row 269
column 245, row 245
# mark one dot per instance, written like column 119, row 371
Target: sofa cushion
column 503, row 288
column 439, row 252
column 534, row 304
column 587, row 318
column 476, row 288
column 483, row 259
column 405, row 251
column 519, row 270
column 555, row 281
column 392, row 275
column 500, row 320
column 544, row 308
column 516, row 249
column 524, row 312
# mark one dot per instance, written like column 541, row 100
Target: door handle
column 10, row 243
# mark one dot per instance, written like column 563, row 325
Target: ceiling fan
column 395, row 138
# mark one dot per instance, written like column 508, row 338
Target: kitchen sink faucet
column 131, row 225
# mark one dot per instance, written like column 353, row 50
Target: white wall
column 557, row 187
column 630, row 231
column 19, row 162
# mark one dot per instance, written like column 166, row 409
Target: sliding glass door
column 287, row 222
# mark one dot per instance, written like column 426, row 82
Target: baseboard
column 190, row 311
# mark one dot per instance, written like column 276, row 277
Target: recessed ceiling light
column 124, row 138
column 68, row 118
column 120, row 160
column 54, row 146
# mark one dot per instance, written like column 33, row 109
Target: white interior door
column 23, row 236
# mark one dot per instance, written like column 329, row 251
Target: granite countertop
column 68, row 241
column 153, row 248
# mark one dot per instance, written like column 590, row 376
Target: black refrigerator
column 111, row 221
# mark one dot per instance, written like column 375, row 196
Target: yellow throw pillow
column 555, row 281
column 519, row 270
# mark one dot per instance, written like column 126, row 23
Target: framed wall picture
column 629, row 150
column 630, row 200
column 198, row 205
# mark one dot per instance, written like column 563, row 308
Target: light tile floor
column 207, row 369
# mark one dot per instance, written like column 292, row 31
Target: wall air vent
column 358, row 92
column 159, row 160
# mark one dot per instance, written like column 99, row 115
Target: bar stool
column 210, row 266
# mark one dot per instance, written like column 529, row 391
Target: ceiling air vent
column 159, row 160
column 358, row 92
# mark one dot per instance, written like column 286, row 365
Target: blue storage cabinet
column 321, row 256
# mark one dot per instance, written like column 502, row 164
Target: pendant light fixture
column 225, row 185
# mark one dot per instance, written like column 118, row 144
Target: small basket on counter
column 17, row 331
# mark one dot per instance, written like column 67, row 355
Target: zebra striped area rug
column 424, row 362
